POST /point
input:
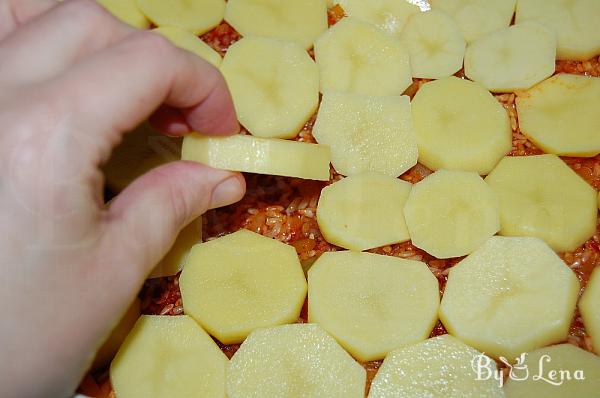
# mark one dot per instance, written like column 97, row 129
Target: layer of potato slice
column 364, row 211
column 168, row 356
column 510, row 296
column 451, row 213
column 574, row 21
column 188, row 41
column 388, row 15
column 560, row 115
column 367, row 133
column 371, row 303
column 355, row 56
column 175, row 258
column 241, row 282
column 140, row 151
column 127, row 11
column 460, row 126
column 435, row 44
column 541, row 196
column 297, row 21
column 196, row 16
column 477, row 18
column 274, row 86
column 111, row 345
column 439, row 367
column 259, row 155
column 289, row 361
column 589, row 307
column 548, row 370
column 496, row 60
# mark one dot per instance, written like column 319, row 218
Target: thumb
column 144, row 220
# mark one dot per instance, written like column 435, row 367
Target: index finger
column 117, row 88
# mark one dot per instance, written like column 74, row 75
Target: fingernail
column 226, row 193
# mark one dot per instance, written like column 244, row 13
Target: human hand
column 72, row 80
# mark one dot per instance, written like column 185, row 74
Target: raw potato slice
column 174, row 260
column 196, row 16
column 371, row 303
column 367, row 133
column 111, row 345
column 274, row 85
column 451, row 213
column 357, row 57
column 541, row 196
column 477, row 18
column 388, row 15
column 439, row 367
column 241, row 282
column 510, row 296
column 575, row 22
column 553, row 364
column 140, row 151
column 188, row 41
column 496, row 60
column 560, row 115
column 127, row 11
column 297, row 21
column 168, row 356
column 435, row 44
column 589, row 307
column 259, row 155
column 460, row 126
column 364, row 211
column 298, row 360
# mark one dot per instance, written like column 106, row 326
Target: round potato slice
column 364, row 211
column 590, row 310
column 168, row 356
column 196, row 16
column 541, row 196
column 241, row 282
column 274, row 86
column 366, row 133
column 439, row 367
column 297, row 21
column 451, row 213
column 556, row 372
column 188, row 41
column 460, row 126
column 510, row 296
column 371, row 303
column 292, row 361
column 388, row 15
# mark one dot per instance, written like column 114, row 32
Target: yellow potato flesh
column 127, row 11
column 460, row 126
column 541, row 196
column 196, row 16
column 439, row 367
column 589, row 307
column 451, row 213
column 259, row 155
column 174, row 260
column 188, row 41
column 367, row 133
column 241, row 282
column 166, row 357
column 560, row 115
column 364, row 211
column 552, row 374
column 293, row 361
column 510, row 296
column 371, row 303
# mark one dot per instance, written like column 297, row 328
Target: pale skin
column 73, row 80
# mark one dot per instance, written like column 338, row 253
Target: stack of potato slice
column 511, row 296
